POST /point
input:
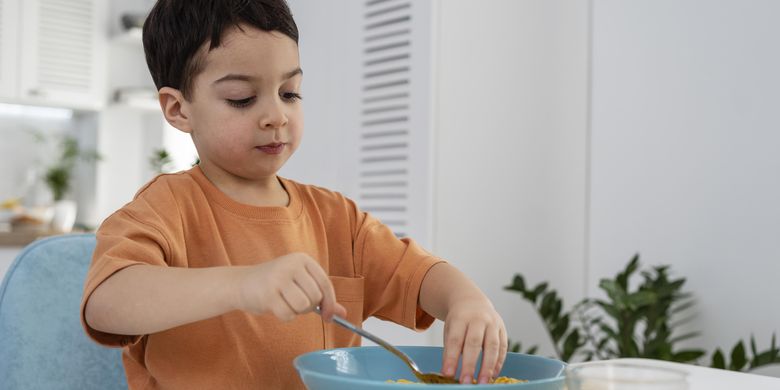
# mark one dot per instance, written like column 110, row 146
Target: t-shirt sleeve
column 123, row 240
column 394, row 270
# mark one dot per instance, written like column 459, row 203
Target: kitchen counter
column 22, row 238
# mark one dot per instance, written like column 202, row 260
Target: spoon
column 425, row 377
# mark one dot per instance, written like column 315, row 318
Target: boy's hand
column 288, row 286
column 471, row 327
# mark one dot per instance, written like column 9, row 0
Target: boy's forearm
column 145, row 299
column 445, row 286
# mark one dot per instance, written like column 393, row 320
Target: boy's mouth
column 272, row 148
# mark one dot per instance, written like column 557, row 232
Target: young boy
column 208, row 278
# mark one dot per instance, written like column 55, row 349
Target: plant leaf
column 753, row 348
column 546, row 306
column 570, row 345
column 640, row 299
column 765, row 358
column 560, row 328
column 610, row 333
column 738, row 357
column 717, row 360
column 684, row 337
column 682, row 306
column 615, row 292
column 518, row 284
column 539, row 289
column 612, row 310
column 688, row 355
column 622, row 278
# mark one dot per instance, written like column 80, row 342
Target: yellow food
column 501, row 379
column 506, row 379
column 11, row 203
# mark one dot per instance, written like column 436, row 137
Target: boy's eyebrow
column 243, row 77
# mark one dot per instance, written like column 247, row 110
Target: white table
column 705, row 378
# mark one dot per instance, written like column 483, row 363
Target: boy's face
column 244, row 113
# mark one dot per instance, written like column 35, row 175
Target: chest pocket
column 349, row 293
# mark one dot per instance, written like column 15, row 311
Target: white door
column 62, row 47
column 9, row 58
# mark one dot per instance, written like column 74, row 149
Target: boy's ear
column 175, row 108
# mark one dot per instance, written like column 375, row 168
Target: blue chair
column 42, row 343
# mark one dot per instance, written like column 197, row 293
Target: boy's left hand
column 471, row 327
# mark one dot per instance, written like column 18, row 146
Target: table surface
column 705, row 378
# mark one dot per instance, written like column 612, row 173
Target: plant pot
column 64, row 216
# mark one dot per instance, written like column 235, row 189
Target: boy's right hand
column 288, row 286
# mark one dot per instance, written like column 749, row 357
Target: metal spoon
column 425, row 377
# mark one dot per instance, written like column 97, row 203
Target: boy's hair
column 175, row 30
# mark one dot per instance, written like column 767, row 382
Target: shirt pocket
column 350, row 294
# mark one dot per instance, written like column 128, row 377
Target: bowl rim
column 296, row 365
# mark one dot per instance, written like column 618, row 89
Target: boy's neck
column 264, row 192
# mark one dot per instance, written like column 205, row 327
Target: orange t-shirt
column 183, row 220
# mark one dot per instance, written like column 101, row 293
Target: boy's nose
column 273, row 115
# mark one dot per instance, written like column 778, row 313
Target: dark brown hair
column 175, row 30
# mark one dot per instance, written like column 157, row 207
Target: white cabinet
column 56, row 55
column 9, row 15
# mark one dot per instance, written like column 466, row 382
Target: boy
column 208, row 277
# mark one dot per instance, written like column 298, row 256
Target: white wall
column 511, row 148
column 685, row 154
column 330, row 59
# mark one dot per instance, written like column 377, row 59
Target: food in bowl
column 499, row 380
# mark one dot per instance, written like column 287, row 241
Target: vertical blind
column 385, row 131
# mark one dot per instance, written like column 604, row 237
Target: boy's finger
column 502, row 351
column 283, row 311
column 471, row 348
column 309, row 287
column 340, row 310
column 295, row 298
column 453, row 344
column 490, row 351
column 328, row 305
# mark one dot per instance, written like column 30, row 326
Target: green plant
column 160, row 161
column 630, row 322
column 58, row 176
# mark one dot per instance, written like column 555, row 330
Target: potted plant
column 58, row 177
column 634, row 320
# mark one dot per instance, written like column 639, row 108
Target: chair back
column 42, row 343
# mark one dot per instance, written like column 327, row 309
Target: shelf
column 137, row 98
column 139, row 104
column 131, row 37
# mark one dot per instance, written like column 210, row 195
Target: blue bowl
column 371, row 367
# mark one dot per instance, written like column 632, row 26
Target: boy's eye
column 241, row 103
column 291, row 96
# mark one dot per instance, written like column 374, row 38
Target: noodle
column 499, row 380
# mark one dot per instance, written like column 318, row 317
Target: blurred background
column 551, row 138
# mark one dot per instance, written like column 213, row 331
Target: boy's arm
column 471, row 324
column 144, row 299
